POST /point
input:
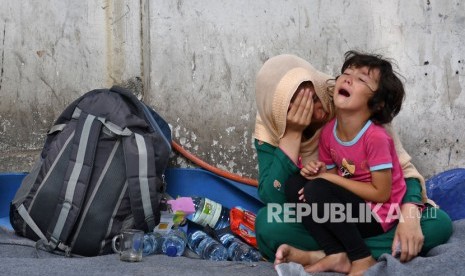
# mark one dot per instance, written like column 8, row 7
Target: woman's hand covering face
column 300, row 112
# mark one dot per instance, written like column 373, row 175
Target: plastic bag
column 447, row 189
column 243, row 225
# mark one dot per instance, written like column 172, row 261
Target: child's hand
column 301, row 195
column 313, row 168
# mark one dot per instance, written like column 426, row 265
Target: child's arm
column 379, row 190
column 310, row 171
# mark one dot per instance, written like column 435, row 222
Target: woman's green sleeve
column 413, row 193
column 274, row 169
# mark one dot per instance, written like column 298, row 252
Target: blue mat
column 199, row 182
column 9, row 183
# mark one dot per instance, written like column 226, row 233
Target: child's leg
column 336, row 234
column 292, row 187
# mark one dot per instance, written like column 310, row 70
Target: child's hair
column 387, row 100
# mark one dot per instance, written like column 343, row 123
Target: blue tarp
column 9, row 183
column 447, row 189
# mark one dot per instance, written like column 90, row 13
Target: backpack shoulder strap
column 145, row 188
column 76, row 178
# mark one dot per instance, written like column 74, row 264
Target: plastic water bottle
column 152, row 243
column 238, row 250
column 206, row 247
column 174, row 242
column 209, row 212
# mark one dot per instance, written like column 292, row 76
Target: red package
column 243, row 225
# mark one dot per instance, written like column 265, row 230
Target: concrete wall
column 50, row 53
column 195, row 63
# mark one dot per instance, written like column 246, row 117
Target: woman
column 294, row 101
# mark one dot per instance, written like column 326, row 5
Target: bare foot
column 287, row 253
column 338, row 262
column 361, row 265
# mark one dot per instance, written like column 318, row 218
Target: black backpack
column 101, row 170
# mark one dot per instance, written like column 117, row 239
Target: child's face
column 355, row 87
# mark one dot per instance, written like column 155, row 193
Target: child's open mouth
column 344, row 93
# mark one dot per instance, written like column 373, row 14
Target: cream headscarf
column 276, row 83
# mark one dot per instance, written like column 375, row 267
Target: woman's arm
column 277, row 164
column 298, row 118
column 409, row 236
column 408, row 239
column 274, row 168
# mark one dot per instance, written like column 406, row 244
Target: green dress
column 275, row 168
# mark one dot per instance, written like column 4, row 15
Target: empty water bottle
column 152, row 243
column 206, row 247
column 238, row 250
column 174, row 242
column 209, row 212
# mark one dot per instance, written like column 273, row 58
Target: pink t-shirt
column 371, row 150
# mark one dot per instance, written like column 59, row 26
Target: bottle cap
column 171, row 251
